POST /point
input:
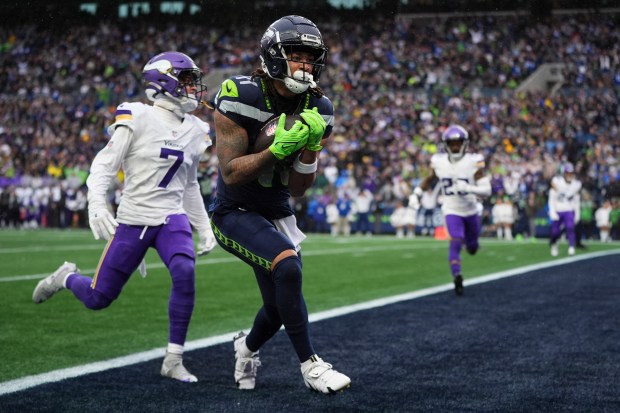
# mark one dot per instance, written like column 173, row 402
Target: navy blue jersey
column 246, row 102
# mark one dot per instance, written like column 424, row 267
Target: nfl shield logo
column 271, row 129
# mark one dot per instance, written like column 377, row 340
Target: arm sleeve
column 193, row 203
column 482, row 187
column 105, row 166
column 551, row 203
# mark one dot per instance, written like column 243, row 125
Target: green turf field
column 62, row 333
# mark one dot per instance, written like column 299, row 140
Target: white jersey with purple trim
column 457, row 203
column 159, row 160
column 566, row 193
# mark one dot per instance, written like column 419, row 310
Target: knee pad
column 288, row 271
column 97, row 301
column 182, row 270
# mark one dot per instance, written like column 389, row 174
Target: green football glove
column 287, row 142
column 317, row 128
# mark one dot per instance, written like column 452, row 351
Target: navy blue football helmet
column 292, row 34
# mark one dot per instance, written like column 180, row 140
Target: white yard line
column 57, row 375
column 231, row 259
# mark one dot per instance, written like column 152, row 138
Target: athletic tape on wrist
column 305, row 168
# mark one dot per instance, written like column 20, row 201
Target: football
column 268, row 131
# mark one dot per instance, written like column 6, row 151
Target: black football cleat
column 458, row 285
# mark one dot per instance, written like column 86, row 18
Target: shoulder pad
column 239, row 89
column 125, row 114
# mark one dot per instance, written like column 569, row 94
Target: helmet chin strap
column 179, row 106
column 188, row 103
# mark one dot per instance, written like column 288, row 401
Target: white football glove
column 462, row 187
column 142, row 268
column 206, row 242
column 553, row 215
column 102, row 224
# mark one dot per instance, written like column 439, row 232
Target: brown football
column 268, row 131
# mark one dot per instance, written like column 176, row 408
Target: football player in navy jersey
column 462, row 179
column 159, row 147
column 251, row 215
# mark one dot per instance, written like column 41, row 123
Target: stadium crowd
column 395, row 85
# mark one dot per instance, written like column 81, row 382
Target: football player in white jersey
column 564, row 208
column 159, row 148
column 462, row 180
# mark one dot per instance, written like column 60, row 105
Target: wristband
column 305, row 168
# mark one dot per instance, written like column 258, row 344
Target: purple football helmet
column 170, row 73
column 455, row 133
column 568, row 170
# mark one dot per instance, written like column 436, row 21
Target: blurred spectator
column 503, row 214
column 403, row 220
column 614, row 218
column 602, row 217
column 344, row 206
column 362, row 202
column 583, row 230
column 9, row 208
column 428, row 209
column 395, row 82
column 332, row 216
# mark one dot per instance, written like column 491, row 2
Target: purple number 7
column 166, row 153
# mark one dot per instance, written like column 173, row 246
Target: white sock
column 64, row 281
column 245, row 351
column 508, row 232
column 175, row 349
column 604, row 235
column 308, row 362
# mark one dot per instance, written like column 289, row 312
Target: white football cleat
column 53, row 283
column 319, row 376
column 554, row 250
column 173, row 368
column 571, row 250
column 245, row 366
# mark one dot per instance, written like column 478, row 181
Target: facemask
column 299, row 82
